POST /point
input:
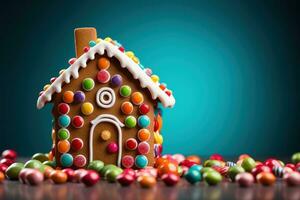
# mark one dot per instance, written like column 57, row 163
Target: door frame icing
column 111, row 119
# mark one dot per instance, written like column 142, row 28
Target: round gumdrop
column 141, row 161
column 127, row 161
column 87, row 108
column 105, row 135
column 130, row 122
column 63, row 108
column 79, row 96
column 63, row 146
column 137, row 98
column 77, row 121
column 116, row 80
column 125, row 179
column 90, row 178
column 63, row 134
column 144, row 108
column 112, row 147
column 143, row 134
column 103, row 76
column 131, row 144
column 64, row 121
column 79, row 161
column 127, row 108
column 125, row 91
column 143, row 147
column 76, row 144
column 68, row 96
column 66, row 160
column 103, row 63
column 88, row 84
column 143, row 121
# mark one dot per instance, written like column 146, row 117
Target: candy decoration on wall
column 143, row 121
column 63, row 146
column 125, row 91
column 105, row 135
column 105, row 97
column 87, row 108
column 63, row 108
column 63, row 134
column 68, row 96
column 79, row 97
column 112, row 147
column 143, row 134
column 77, row 144
column 66, row 160
column 131, row 144
column 158, row 139
column 92, row 43
column 127, row 161
column 130, row 122
column 137, row 98
column 127, row 108
column 77, row 121
column 143, row 148
column 103, row 76
column 103, row 63
column 158, row 150
column 88, row 84
column 144, row 108
column 155, row 78
column 116, row 80
column 141, row 161
column 64, row 121
column 80, row 161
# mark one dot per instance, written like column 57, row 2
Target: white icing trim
column 111, row 119
column 100, row 97
column 125, row 61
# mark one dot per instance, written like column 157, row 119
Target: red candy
column 170, row 179
column 77, row 121
column 86, row 49
column 78, row 174
column 90, row 178
column 71, row 61
column 260, row 168
column 9, row 154
column 127, row 161
column 103, row 76
column 112, row 147
column 34, row 177
column 131, row 144
column 70, row 173
column 77, row 144
column 6, row 161
column 3, row 167
column 216, row 157
column 79, row 161
column 272, row 162
column 129, row 171
column 187, row 163
column 63, row 108
column 290, row 165
column 125, row 179
column 144, row 109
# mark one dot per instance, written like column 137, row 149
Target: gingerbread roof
column 127, row 60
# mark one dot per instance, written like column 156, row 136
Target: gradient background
column 233, row 67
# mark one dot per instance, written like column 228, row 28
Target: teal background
column 233, row 67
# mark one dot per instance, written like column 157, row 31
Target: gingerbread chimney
column 82, row 38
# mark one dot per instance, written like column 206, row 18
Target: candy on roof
column 127, row 60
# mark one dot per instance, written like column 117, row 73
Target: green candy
column 40, row 157
column 233, row 171
column 211, row 163
column 35, row 164
column 63, row 134
column 296, row 158
column 50, row 163
column 212, row 177
column 88, row 84
column 130, row 122
column 206, row 169
column 96, row 165
column 125, row 91
column 12, row 172
column 106, row 168
column 248, row 164
column 111, row 175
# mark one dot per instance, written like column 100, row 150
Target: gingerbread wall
column 99, row 145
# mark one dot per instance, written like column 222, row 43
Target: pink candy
column 103, row 76
column 112, row 147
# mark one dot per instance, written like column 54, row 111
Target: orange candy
column 68, row 97
column 159, row 161
column 266, row 178
column 48, row 171
column 58, row 176
column 143, row 134
column 159, row 121
column 194, row 158
column 243, row 156
column 63, row 146
column 2, row 177
column 103, row 63
column 147, row 181
column 127, row 108
column 137, row 98
column 168, row 167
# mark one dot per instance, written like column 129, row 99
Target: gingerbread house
column 106, row 106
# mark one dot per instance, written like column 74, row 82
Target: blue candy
column 66, row 160
column 143, row 121
column 141, row 161
column 64, row 121
column 92, row 43
column 196, row 167
column 193, row 176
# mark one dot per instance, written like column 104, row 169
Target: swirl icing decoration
column 105, row 97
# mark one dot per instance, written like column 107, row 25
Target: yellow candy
column 136, row 60
column 105, row 135
column 46, row 87
column 61, row 71
column 108, row 39
column 98, row 40
column 155, row 78
column 130, row 54
column 158, row 139
column 87, row 108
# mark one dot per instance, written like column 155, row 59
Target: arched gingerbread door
column 95, row 142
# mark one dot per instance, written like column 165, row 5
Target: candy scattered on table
column 244, row 179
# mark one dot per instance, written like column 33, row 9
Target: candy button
column 92, row 43
column 130, row 122
column 63, row 146
column 103, row 63
column 63, row 108
column 143, row 121
column 125, row 91
column 66, row 160
column 130, row 54
column 68, row 97
column 141, row 161
column 63, row 134
column 88, row 84
column 77, row 144
column 143, row 148
column 148, row 71
column 127, row 108
column 105, row 135
column 77, row 121
column 112, row 147
column 143, row 134
column 155, row 78
column 61, row 71
column 131, row 144
column 144, row 109
column 116, row 80
column 127, row 161
column 46, row 87
column 79, row 96
column 103, row 76
column 72, row 61
column 86, row 49
column 163, row 86
column 80, row 160
column 87, row 108
column 137, row 98
column 64, row 120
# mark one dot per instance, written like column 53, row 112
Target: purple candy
column 116, row 80
column 79, row 96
